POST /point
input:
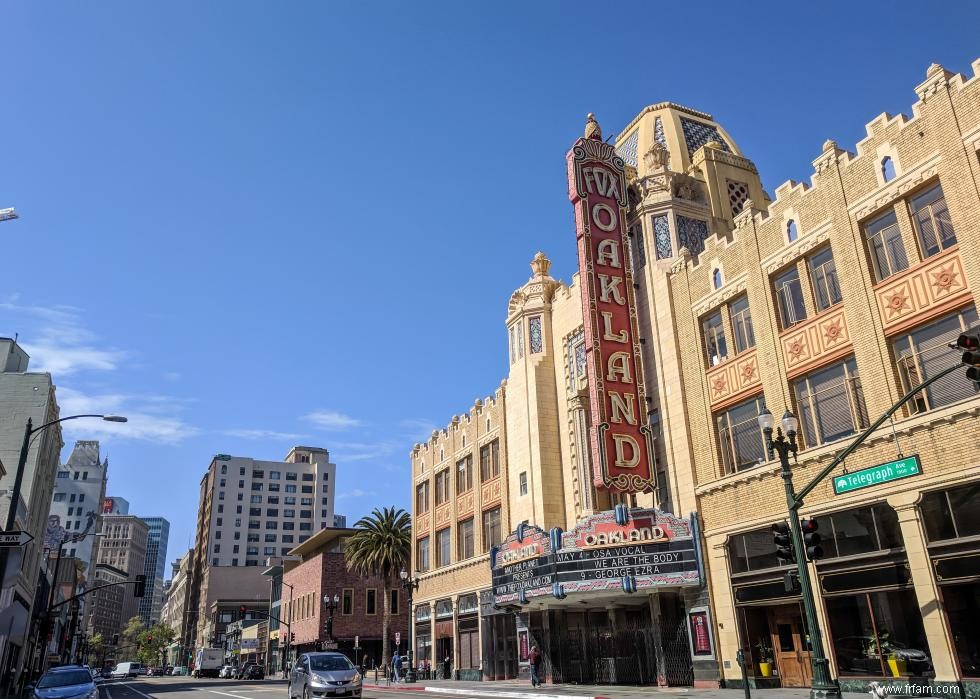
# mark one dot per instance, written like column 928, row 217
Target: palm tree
column 381, row 548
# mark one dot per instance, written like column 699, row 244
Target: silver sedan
column 324, row 675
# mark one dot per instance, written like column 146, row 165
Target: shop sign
column 249, row 644
column 876, row 475
column 622, row 446
column 603, row 553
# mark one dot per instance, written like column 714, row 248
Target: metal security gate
column 678, row 667
column 587, row 649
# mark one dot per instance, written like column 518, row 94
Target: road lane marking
column 215, row 691
column 129, row 686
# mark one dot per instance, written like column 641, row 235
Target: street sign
column 398, row 638
column 12, row 539
column 357, row 641
column 876, row 475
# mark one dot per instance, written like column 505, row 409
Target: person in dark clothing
column 535, row 659
column 445, row 669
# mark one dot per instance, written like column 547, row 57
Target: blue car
column 73, row 682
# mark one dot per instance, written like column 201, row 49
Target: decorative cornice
column 891, row 191
column 718, row 296
column 798, row 247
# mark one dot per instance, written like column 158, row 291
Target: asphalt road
column 190, row 688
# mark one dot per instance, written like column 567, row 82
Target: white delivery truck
column 208, row 662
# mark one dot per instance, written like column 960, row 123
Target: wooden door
column 791, row 647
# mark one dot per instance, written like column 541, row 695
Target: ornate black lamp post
column 331, row 605
column 410, row 584
column 823, row 687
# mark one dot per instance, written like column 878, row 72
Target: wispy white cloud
column 332, row 420
column 59, row 343
column 418, row 429
column 263, row 434
column 362, row 451
column 355, row 493
column 150, row 418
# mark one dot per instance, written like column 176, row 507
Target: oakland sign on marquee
column 618, row 550
column 622, row 448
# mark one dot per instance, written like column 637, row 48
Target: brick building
column 317, row 568
column 851, row 288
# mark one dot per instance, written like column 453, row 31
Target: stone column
column 658, row 638
column 926, row 591
column 455, row 666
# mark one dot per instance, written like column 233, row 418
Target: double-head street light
column 410, row 584
column 784, row 444
column 331, row 604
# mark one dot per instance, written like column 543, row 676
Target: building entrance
column 791, row 646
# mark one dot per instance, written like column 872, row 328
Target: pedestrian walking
column 446, row 669
column 396, row 666
column 535, row 658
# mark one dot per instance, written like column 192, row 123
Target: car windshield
column 329, row 663
column 64, row 679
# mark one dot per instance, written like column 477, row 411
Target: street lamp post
column 331, row 605
column 29, row 433
column 823, row 687
column 410, row 584
column 287, row 661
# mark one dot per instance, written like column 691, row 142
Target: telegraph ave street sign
column 876, row 475
column 11, row 539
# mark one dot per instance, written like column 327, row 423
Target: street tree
column 129, row 636
column 381, row 547
column 152, row 641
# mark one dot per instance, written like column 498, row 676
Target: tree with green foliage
column 382, row 547
column 152, row 641
column 129, row 636
column 95, row 644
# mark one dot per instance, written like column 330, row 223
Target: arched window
column 716, row 278
column 488, row 424
column 887, row 169
column 791, row 232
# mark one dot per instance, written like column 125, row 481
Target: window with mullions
column 464, row 474
column 789, row 298
column 534, row 334
column 885, row 246
column 490, row 460
column 830, row 403
column 742, row 324
column 951, row 514
column 464, row 540
column 422, row 498
column 932, row 222
column 752, row 551
column 442, row 487
column 739, row 437
column 443, row 557
column 924, row 352
column 860, row 530
column 491, row 528
column 422, row 554
column 823, row 276
column 713, row 330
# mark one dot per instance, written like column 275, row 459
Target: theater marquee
column 622, row 447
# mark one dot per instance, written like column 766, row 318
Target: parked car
column 105, row 673
column 241, row 670
column 66, row 681
column 154, row 671
column 321, row 673
column 253, row 671
column 226, row 671
column 180, row 671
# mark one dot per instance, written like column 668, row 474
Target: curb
column 469, row 692
column 393, row 688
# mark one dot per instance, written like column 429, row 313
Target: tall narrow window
column 932, row 221
column 792, row 233
column 370, row 601
column 442, row 487
column 422, row 555
column 523, row 482
column 742, row 324
column 490, row 460
column 442, row 548
column 464, row 540
column 887, row 169
column 830, row 403
column 716, row 348
column 716, row 278
column 464, row 474
column 422, row 498
column 789, row 297
column 520, row 340
column 534, row 334
column 491, row 528
column 661, row 234
column 823, row 274
column 638, row 248
column 885, row 246
column 739, row 437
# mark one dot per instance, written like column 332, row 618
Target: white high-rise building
column 78, row 494
column 265, row 508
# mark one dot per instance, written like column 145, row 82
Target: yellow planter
column 765, row 669
column 898, row 667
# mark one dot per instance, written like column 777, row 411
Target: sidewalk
column 514, row 689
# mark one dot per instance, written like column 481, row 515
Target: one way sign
column 11, row 539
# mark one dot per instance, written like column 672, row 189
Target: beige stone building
column 120, row 555
column 831, row 301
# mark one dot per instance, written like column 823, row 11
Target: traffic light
column 115, row 639
column 783, row 542
column 969, row 345
column 139, row 589
column 292, row 638
column 811, row 539
column 242, row 610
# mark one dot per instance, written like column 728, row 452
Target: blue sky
column 247, row 225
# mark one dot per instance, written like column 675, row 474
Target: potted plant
column 765, row 658
column 884, row 647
